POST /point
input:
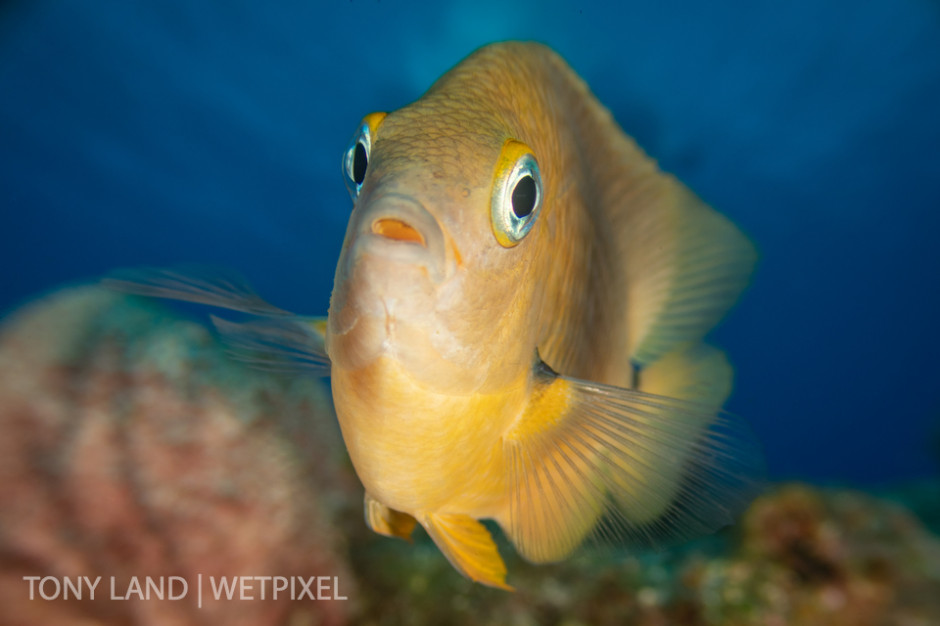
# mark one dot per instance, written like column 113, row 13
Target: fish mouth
column 388, row 278
column 399, row 229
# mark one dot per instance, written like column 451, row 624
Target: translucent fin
column 283, row 345
column 687, row 265
column 203, row 285
column 274, row 339
column 468, row 546
column 662, row 469
column 700, row 373
column 386, row 521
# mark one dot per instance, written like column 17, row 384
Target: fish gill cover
column 155, row 133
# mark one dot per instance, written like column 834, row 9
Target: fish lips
column 395, row 258
column 398, row 228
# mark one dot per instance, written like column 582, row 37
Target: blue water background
column 166, row 131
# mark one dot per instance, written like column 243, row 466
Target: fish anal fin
column 625, row 457
column 700, row 373
column 468, row 546
column 386, row 521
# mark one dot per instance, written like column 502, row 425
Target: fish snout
column 400, row 229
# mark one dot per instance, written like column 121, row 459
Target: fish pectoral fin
column 386, row 521
column 274, row 339
column 281, row 345
column 651, row 469
column 468, row 546
column 193, row 283
column 318, row 326
column 687, row 264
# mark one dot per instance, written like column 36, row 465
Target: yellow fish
column 515, row 331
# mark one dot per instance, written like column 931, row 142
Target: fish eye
column 360, row 162
column 517, row 193
column 356, row 160
column 357, row 155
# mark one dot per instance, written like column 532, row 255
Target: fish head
column 439, row 264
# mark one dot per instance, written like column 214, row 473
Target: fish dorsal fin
column 652, row 469
column 271, row 339
column 685, row 267
column 468, row 546
column 675, row 265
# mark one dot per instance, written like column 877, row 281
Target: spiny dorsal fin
column 584, row 449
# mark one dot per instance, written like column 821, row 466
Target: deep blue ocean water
column 167, row 131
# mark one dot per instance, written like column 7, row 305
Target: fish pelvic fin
column 468, row 546
column 388, row 522
column 271, row 339
column 686, row 266
column 622, row 464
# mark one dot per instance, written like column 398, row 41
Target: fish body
column 515, row 331
column 445, row 341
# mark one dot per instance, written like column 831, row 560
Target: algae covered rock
column 132, row 448
column 830, row 557
column 800, row 556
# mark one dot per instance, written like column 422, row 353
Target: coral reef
column 813, row 557
column 132, row 446
column 801, row 556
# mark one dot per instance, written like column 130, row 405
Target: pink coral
column 132, row 447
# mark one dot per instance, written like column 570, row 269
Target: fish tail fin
column 468, row 546
column 626, row 464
